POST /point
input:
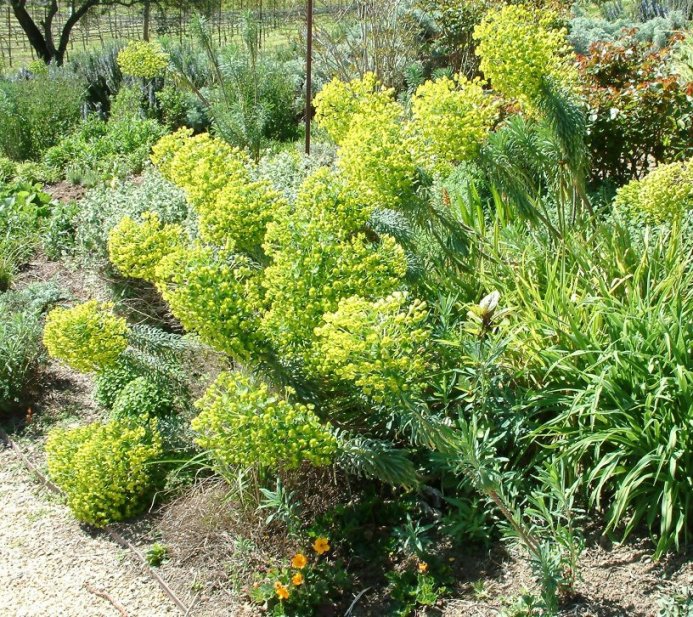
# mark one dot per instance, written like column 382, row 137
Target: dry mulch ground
column 47, row 560
column 616, row 581
column 66, row 191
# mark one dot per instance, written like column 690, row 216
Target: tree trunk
column 32, row 31
column 69, row 25
column 43, row 41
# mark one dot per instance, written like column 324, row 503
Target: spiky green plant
column 603, row 340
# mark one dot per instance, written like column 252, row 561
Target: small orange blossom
column 299, row 561
column 297, row 579
column 321, row 546
column 423, row 567
column 282, row 591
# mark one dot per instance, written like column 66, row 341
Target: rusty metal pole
column 147, row 19
column 309, row 70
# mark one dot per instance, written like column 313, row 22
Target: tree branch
column 48, row 27
column 70, row 23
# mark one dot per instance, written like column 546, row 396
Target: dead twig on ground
column 106, row 596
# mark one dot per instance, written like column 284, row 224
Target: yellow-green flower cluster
column 325, row 196
column 136, row 249
column 380, row 147
column 233, row 209
column 376, row 157
column 452, row 118
column 315, row 252
column 142, row 59
column 167, row 147
column 88, row 337
column 519, row 47
column 375, row 154
column 214, row 294
column 104, row 468
column 238, row 217
column 665, row 194
column 339, row 102
column 201, row 165
column 379, row 346
column 243, row 423
column 318, row 259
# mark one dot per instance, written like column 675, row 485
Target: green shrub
column 58, row 235
column 243, row 423
column 7, row 169
column 104, row 207
column 154, row 363
column 129, row 102
column 36, row 113
column 88, row 337
column 141, row 399
column 179, row 108
column 21, row 352
column 105, row 150
column 32, row 172
column 112, row 380
column 183, row 279
column 8, row 265
column 35, row 297
column 104, row 469
column 24, row 213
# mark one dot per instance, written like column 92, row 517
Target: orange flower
column 321, row 546
column 297, row 579
column 423, row 567
column 281, row 590
column 299, row 561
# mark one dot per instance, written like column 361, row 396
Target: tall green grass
column 602, row 342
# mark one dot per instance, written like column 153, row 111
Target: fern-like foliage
column 539, row 164
column 374, row 458
column 168, row 345
column 414, row 422
column 164, row 357
column 566, row 120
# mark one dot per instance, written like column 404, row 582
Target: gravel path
column 46, row 559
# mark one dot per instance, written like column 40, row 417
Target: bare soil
column 66, row 191
column 51, row 567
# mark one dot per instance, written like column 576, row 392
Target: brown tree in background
column 48, row 24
